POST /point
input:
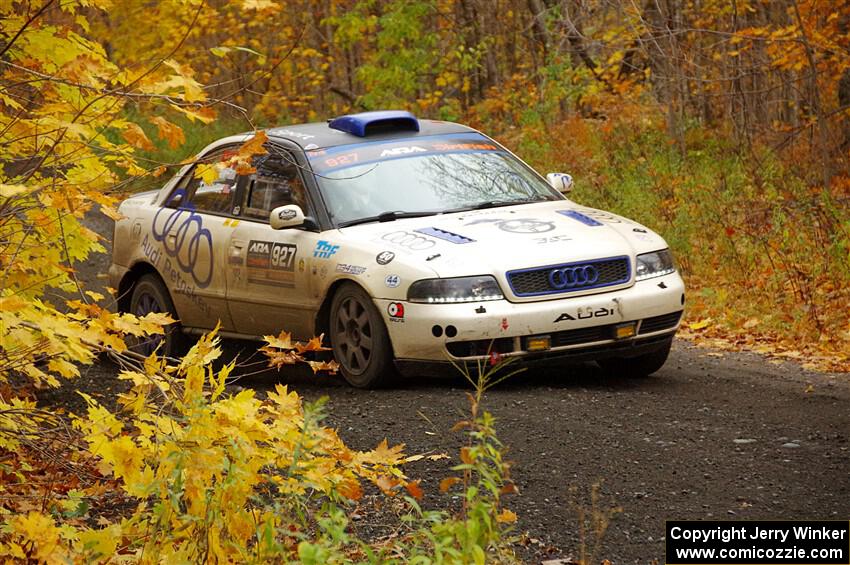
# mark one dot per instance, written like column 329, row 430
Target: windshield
column 423, row 175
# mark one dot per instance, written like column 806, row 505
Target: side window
column 277, row 182
column 216, row 197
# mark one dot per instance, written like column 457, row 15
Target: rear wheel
column 359, row 339
column 636, row 367
column 151, row 296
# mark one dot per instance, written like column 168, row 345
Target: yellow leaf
column 112, row 213
column 283, row 341
column 9, row 190
column 506, row 517
column 702, row 324
column 102, row 543
column 207, row 172
column 383, row 454
column 135, row 136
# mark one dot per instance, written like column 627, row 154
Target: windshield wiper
column 385, row 217
column 498, row 204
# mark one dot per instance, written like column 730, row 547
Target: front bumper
column 469, row 331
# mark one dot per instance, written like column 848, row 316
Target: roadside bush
column 201, row 475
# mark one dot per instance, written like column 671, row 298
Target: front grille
column 658, row 323
column 538, row 280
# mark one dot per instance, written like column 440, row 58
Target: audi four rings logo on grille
column 409, row 240
column 572, row 277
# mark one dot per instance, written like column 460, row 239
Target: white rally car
column 407, row 242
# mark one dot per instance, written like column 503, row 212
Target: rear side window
column 212, row 196
column 277, row 182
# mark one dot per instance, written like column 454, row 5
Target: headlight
column 655, row 264
column 464, row 289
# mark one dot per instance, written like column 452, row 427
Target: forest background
column 722, row 124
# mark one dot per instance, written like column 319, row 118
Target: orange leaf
column 465, row 456
column 254, row 146
column 329, row 366
column 386, row 484
column 135, row 136
column 414, row 489
column 351, row 490
column 448, row 483
column 508, row 488
column 172, row 133
column 314, row 344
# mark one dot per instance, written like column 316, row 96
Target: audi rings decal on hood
column 409, row 240
column 183, row 230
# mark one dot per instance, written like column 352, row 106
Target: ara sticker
column 271, row 263
column 392, row 281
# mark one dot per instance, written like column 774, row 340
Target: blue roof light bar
column 369, row 123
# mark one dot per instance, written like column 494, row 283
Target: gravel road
column 710, row 436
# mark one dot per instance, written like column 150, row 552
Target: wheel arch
column 125, row 287
column 323, row 315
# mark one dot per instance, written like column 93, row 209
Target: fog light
column 623, row 331
column 538, row 343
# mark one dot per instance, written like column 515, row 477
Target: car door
column 191, row 230
column 268, row 282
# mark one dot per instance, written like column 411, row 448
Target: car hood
column 496, row 240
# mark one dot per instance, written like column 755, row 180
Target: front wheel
column 150, row 295
column 359, row 339
column 636, row 367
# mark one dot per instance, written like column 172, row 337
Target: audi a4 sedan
column 408, row 243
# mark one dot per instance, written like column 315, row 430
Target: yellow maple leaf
column 112, row 213
column 282, row 341
column 506, row 517
column 385, row 455
column 702, row 324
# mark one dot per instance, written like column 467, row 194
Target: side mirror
column 288, row 216
column 562, row 182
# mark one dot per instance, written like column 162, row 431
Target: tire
column 359, row 339
column 636, row 367
column 150, row 295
